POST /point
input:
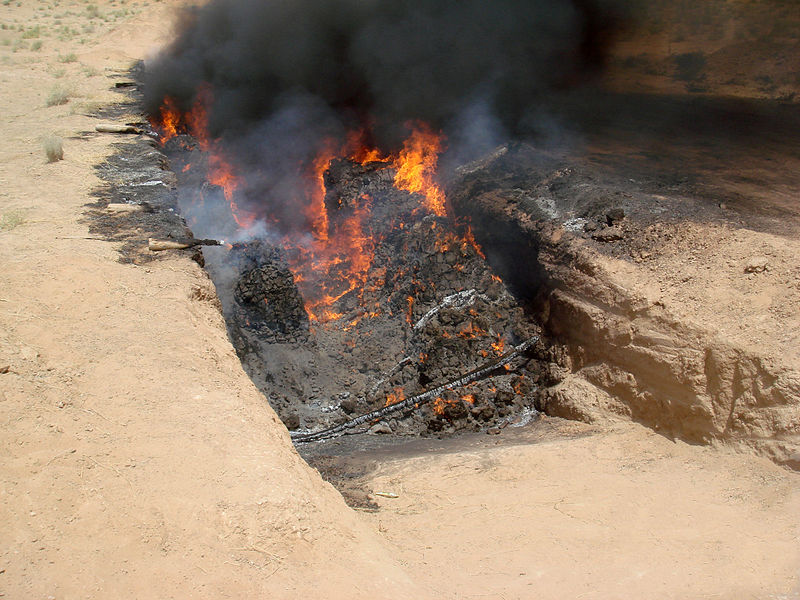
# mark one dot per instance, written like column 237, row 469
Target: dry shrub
column 58, row 96
column 53, row 148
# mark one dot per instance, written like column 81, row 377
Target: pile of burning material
column 426, row 310
column 312, row 141
column 359, row 291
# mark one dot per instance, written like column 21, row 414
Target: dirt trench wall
column 618, row 356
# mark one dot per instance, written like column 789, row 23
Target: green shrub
column 31, row 33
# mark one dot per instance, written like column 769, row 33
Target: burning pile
column 371, row 295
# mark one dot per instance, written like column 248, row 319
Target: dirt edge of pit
column 618, row 355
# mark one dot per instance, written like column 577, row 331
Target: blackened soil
column 137, row 174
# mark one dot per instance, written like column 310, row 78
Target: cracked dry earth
column 138, row 460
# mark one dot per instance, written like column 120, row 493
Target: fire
column 334, row 261
column 316, row 211
column 469, row 238
column 170, row 119
column 395, row 396
column 440, row 404
column 470, row 331
column 499, row 346
column 359, row 150
column 221, row 173
column 416, row 168
column 410, row 309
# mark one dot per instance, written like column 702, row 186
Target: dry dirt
column 139, row 461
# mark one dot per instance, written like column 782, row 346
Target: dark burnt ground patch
column 138, row 183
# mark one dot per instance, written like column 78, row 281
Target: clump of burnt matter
column 270, row 301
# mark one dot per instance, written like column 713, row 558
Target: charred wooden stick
column 419, row 399
column 158, row 245
column 391, row 372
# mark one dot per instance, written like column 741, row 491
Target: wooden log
column 111, row 128
column 159, row 245
column 155, row 245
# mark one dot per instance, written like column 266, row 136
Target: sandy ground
column 139, row 461
column 587, row 513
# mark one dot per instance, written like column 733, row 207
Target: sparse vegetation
column 68, row 58
column 10, row 220
column 53, row 148
column 58, row 96
column 37, row 45
column 33, row 32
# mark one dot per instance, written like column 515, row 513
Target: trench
column 532, row 214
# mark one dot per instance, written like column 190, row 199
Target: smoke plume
column 380, row 63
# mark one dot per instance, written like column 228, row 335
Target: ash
column 428, row 310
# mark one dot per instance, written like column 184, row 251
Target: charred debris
column 425, row 311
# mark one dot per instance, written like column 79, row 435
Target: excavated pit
column 542, row 218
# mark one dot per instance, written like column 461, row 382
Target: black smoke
column 381, row 63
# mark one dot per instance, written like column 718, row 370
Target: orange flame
column 440, row 404
column 416, row 168
column 469, row 237
column 395, row 396
column 336, row 261
column 170, row 119
column 316, row 211
column 471, row 331
column 499, row 346
column 358, row 149
column 410, row 309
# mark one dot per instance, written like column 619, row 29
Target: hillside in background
column 744, row 48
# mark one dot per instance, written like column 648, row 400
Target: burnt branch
column 418, row 400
